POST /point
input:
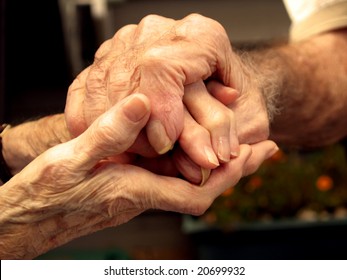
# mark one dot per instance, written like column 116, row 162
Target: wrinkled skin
column 168, row 61
column 74, row 189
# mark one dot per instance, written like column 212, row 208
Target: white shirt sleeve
column 310, row 17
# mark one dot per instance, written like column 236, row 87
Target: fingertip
column 222, row 93
column 205, row 174
column 234, row 146
column 259, row 153
column 272, row 150
column 267, row 147
column 233, row 93
column 235, row 152
column 211, row 156
column 223, row 149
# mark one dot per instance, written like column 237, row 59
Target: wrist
column 23, row 143
column 264, row 76
column 21, row 236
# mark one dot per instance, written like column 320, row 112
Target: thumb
column 261, row 151
column 114, row 131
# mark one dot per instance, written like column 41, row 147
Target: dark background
column 35, row 72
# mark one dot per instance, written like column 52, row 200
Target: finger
column 166, row 122
column 188, row 168
column 120, row 65
column 195, row 63
column 172, row 194
column 124, row 78
column 103, row 50
column 150, row 191
column 260, row 152
column 127, row 76
column 142, row 146
column 74, row 113
column 100, row 93
column 183, row 61
column 222, row 93
column 114, row 131
column 165, row 90
column 186, row 65
column 195, row 141
column 152, row 27
column 102, row 193
column 249, row 160
column 215, row 117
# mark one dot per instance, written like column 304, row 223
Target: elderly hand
column 74, row 189
column 161, row 58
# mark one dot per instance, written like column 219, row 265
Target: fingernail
column 211, row 156
column 205, row 173
column 235, row 152
column 234, row 145
column 165, row 149
column 160, row 141
column 233, row 92
column 135, row 109
column 223, row 149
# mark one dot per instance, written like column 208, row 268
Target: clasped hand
column 153, row 85
column 170, row 61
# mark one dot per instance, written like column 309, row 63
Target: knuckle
column 188, row 137
column 96, row 78
column 152, row 59
column 195, row 17
column 79, row 82
column 219, row 119
column 205, row 24
column 123, row 36
column 151, row 19
column 197, row 204
column 73, row 87
column 256, row 130
column 152, row 55
column 102, row 50
column 124, row 32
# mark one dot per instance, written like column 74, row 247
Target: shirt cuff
column 330, row 18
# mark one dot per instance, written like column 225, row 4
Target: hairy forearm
column 307, row 82
column 24, row 142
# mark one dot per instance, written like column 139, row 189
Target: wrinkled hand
column 159, row 58
column 74, row 189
